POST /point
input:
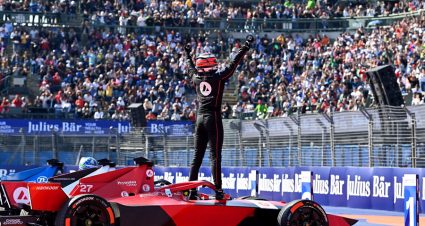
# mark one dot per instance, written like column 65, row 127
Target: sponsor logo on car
column 146, row 187
column 123, row 194
column 42, row 179
column 21, row 195
column 130, row 183
column 47, row 188
column 149, row 173
column 12, row 222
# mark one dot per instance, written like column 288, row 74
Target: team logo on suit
column 205, row 88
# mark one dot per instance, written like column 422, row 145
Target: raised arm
column 189, row 61
column 229, row 70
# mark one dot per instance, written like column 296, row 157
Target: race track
column 369, row 217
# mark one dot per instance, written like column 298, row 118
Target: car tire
column 86, row 210
column 302, row 212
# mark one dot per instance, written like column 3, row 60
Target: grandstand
column 73, row 60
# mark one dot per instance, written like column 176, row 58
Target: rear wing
column 14, row 194
column 38, row 174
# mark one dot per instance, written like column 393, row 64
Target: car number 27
column 86, row 188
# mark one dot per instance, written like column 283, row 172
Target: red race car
column 128, row 197
column 14, row 194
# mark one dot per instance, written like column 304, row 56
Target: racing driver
column 210, row 81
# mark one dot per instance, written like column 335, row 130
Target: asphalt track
column 369, row 217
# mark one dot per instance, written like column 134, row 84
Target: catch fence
column 384, row 137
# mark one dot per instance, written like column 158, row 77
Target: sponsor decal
column 47, row 188
column 168, row 193
column 205, row 88
column 65, row 178
column 89, row 198
column 130, row 183
column 12, row 222
column 42, row 179
column 263, row 204
column 21, row 195
column 146, row 188
column 124, row 194
column 149, row 173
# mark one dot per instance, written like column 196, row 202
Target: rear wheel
column 86, row 210
column 301, row 213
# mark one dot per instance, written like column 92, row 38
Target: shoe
column 219, row 194
column 193, row 195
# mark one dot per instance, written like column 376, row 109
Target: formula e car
column 14, row 193
column 128, row 197
column 39, row 174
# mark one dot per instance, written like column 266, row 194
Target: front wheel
column 86, row 210
column 301, row 213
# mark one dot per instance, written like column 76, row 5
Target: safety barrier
column 366, row 188
column 384, row 137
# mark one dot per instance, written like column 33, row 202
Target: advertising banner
column 366, row 188
column 47, row 126
column 170, row 128
column 411, row 216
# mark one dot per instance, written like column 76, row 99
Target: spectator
column 261, row 110
column 5, row 104
column 98, row 114
column 288, row 74
column 226, row 110
column 150, row 116
column 17, row 102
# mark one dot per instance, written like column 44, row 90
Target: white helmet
column 87, row 163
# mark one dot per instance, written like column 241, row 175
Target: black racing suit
column 209, row 127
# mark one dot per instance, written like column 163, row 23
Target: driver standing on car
column 210, row 82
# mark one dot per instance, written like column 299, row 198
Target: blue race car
column 40, row 174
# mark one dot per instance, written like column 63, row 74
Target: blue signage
column 411, row 216
column 170, row 128
column 366, row 188
column 39, row 126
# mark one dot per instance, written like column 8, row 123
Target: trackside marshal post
column 411, row 200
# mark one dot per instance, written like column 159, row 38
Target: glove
column 249, row 40
column 188, row 49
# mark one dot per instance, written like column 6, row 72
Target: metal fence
column 384, row 137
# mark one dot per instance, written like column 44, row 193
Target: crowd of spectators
column 290, row 73
column 142, row 12
column 96, row 72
